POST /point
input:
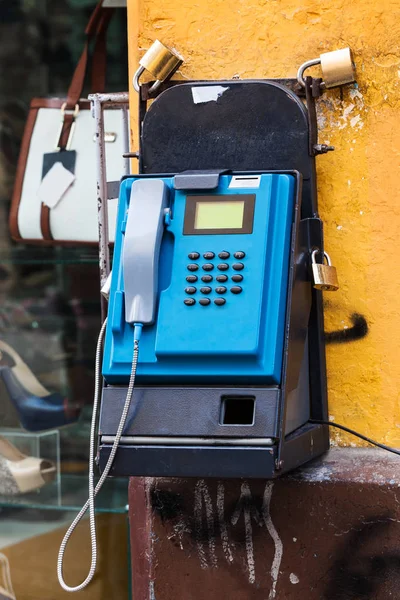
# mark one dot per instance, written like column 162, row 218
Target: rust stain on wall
column 358, row 183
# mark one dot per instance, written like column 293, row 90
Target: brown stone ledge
column 330, row 530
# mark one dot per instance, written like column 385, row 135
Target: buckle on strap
column 65, row 111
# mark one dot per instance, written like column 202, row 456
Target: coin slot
column 237, row 410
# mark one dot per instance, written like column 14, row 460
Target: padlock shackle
column 135, row 81
column 325, row 255
column 303, row 67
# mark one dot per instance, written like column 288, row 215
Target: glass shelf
column 36, row 255
column 113, row 497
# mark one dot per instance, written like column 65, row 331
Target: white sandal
column 20, row 474
column 6, row 588
column 23, row 373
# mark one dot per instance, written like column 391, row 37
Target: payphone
column 210, row 278
column 214, row 357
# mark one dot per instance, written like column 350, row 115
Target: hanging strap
column 96, row 29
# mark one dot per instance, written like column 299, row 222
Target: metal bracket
column 198, row 180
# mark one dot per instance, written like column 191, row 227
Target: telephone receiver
column 141, row 251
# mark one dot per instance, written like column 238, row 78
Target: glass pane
column 49, row 324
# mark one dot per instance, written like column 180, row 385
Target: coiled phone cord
column 93, row 491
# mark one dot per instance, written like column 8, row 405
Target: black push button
column 204, row 301
column 238, row 266
column 190, row 290
column 223, row 267
column 239, row 255
column 222, row 278
column 219, row 301
column 236, row 289
column 192, row 267
column 192, row 278
column 193, row 255
column 224, row 255
column 189, row 301
column 220, row 290
column 237, row 278
column 208, row 267
column 205, row 290
column 207, row 278
column 208, row 255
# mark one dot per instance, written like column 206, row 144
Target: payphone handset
column 143, row 235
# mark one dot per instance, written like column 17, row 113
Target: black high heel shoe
column 37, row 408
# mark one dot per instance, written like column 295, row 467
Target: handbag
column 59, row 135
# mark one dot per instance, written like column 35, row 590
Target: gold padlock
column 337, row 68
column 324, row 276
column 160, row 61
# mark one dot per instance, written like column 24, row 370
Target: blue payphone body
column 217, row 275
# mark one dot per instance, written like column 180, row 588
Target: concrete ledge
column 327, row 531
column 355, row 465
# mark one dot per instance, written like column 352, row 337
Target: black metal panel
column 303, row 445
column 187, row 411
column 253, row 125
column 312, row 230
column 191, row 461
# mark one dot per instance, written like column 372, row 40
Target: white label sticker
column 245, row 181
column 54, row 184
column 207, row 93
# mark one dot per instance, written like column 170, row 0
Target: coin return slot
column 237, row 410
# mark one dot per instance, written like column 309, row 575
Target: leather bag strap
column 96, row 28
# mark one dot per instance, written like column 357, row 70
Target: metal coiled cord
column 93, row 491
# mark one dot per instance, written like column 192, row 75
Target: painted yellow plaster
column 358, row 183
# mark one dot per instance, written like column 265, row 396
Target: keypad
column 204, row 301
column 219, row 301
column 208, row 291
column 238, row 266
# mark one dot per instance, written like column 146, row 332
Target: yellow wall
column 358, row 183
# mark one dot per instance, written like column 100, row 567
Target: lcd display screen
column 219, row 215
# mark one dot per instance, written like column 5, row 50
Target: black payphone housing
column 252, row 126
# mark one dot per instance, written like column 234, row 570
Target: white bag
column 62, row 130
